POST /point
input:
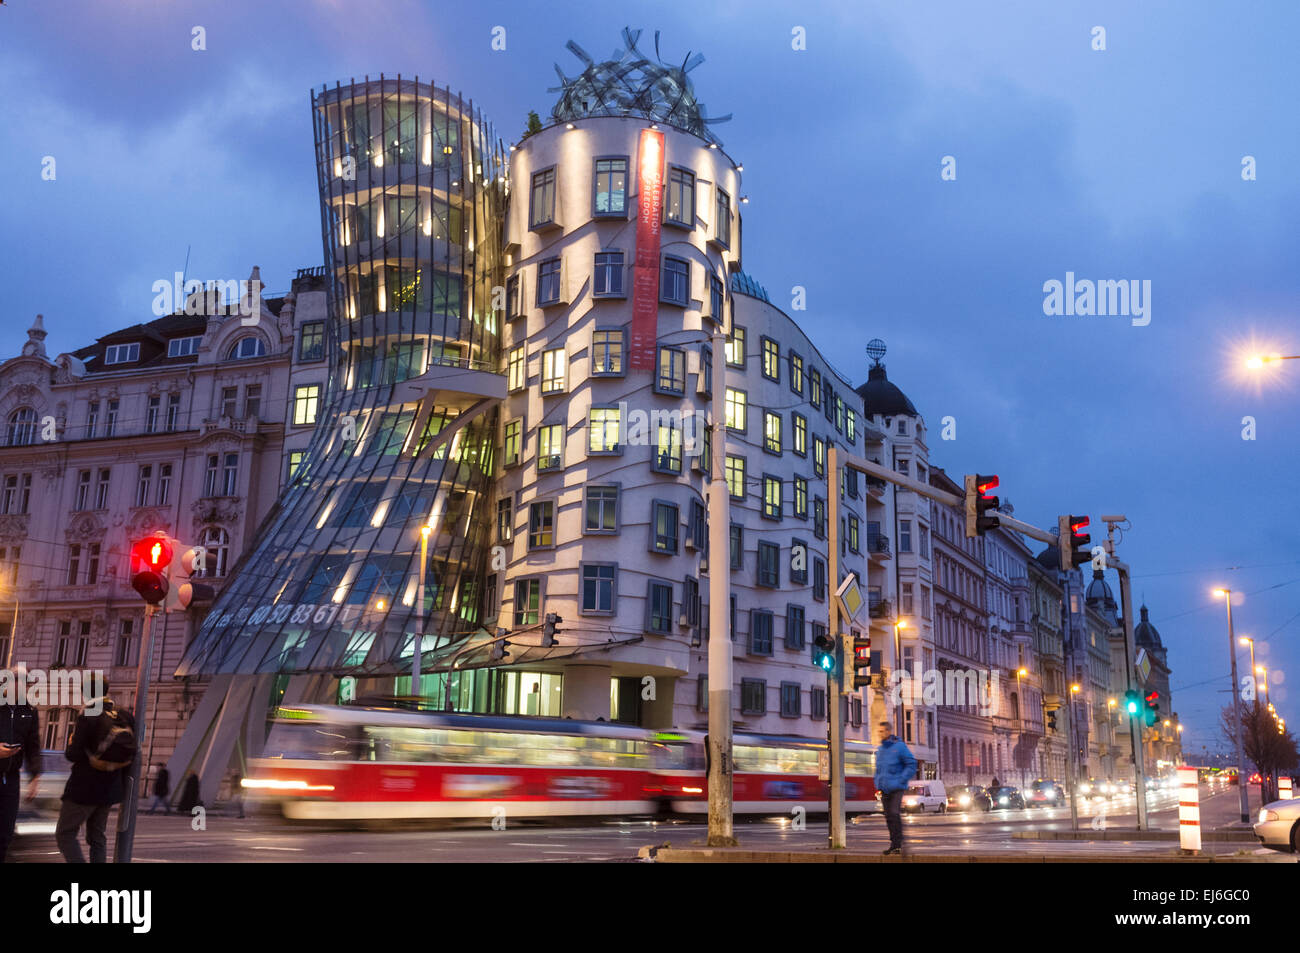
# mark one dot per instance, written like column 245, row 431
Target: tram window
column 310, row 742
column 685, row 757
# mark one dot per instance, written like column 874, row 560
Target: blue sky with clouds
column 1117, row 164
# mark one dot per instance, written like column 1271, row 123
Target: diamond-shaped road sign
column 1143, row 664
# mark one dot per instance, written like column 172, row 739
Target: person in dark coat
column 20, row 743
column 161, row 788
column 895, row 766
column 189, row 794
column 91, row 791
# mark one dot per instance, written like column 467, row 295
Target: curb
column 1233, row 837
column 737, row 855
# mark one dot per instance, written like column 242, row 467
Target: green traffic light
column 1132, row 708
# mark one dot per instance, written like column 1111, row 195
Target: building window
column 839, row 413
column 516, row 373
column 815, row 388
column 800, row 434
column 769, row 565
column 736, row 405
column 664, row 528
column 819, row 517
column 92, row 418
column 722, row 217
column 760, row 632
column 659, row 607
column 122, row 353
column 736, row 477
column 607, row 280
column 794, row 626
column 607, row 352
column 505, row 520
column 541, row 524
column 715, row 298
column 698, row 526
column 601, row 509
column 125, row 644
column 705, row 384
column 550, row 447
column 141, row 487
column 771, row 497
column 548, row 282
column 602, row 430
column 216, row 558
column 311, row 341
column 668, row 448
column 306, row 404
column 819, row 457
column 173, row 411
column 184, row 347
column 514, row 307
column 791, row 697
column 245, row 348
column 152, row 413
column 772, row 432
column 904, row 536
column 672, row 371
column 771, row 359
column 819, row 579
column 925, row 541
column 817, row 704
column 101, row 489
column 598, row 588
column 252, row 400
column 110, row 418
column 542, row 205
column 230, row 475
column 74, row 563
column 850, row 425
column 296, row 458
column 229, row 398
column 854, row 529
column 610, row 187
column 736, row 347
column 83, row 490
column 675, row 282
column 528, row 601
column 92, row 564
column 554, row 365
column 801, row 497
column 796, row 373
column 753, row 696
column 512, row 443
column 681, row 197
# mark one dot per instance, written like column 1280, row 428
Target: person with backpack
column 102, row 748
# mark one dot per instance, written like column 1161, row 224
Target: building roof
column 880, row 396
column 744, row 284
column 1145, row 634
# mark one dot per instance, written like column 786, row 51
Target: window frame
column 675, row 523
column 595, row 182
column 617, row 506
column 685, row 275
column 583, row 566
column 670, row 181
column 534, row 222
column 622, row 352
column 608, row 269
column 617, row 449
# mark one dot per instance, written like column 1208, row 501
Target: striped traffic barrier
column 1284, row 787
column 1189, row 810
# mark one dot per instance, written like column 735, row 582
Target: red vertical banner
column 645, row 266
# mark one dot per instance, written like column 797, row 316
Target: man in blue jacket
column 895, row 766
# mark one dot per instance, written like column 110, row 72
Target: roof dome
column 1145, row 633
column 879, row 396
column 1049, row 558
column 1099, row 592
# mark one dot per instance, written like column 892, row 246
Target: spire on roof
column 35, row 346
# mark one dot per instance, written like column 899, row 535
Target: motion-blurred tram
column 352, row 763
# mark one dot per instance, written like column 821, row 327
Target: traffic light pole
column 721, row 832
column 1134, row 724
column 836, row 826
column 130, row 804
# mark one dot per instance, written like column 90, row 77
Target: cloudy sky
column 1117, row 164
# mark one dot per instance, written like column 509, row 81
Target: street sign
column 850, row 597
column 823, row 765
column 1143, row 664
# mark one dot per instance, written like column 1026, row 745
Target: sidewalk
column 741, row 855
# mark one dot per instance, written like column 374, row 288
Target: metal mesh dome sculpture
column 631, row 84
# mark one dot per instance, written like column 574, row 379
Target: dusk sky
column 1117, row 164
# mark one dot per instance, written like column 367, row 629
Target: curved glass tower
column 412, row 188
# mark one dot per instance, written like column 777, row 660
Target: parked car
column 1045, row 792
column 969, row 797
column 1007, row 798
column 925, row 796
column 1278, row 825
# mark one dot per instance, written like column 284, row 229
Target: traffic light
column 824, row 653
column 857, row 662
column 181, row 592
column 978, row 502
column 549, row 628
column 151, row 560
column 1132, row 702
column 1071, row 543
column 1152, row 713
column 498, row 652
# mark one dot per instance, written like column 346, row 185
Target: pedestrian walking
column 20, row 742
column 895, row 766
column 102, row 749
column 161, row 788
column 237, row 792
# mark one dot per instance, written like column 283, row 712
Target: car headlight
column 1002, row 800
column 964, row 799
column 1051, row 795
column 909, row 800
column 1266, row 815
column 1084, row 788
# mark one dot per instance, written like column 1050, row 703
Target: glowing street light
column 1257, row 361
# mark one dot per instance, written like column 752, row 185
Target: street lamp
column 1257, row 361
column 1226, row 595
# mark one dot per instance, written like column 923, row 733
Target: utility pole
column 1236, row 713
column 836, row 828
column 721, row 832
column 126, row 814
column 1070, row 744
column 1134, row 724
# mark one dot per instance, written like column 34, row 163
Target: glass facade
column 412, row 187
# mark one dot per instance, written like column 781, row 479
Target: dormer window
column 247, row 347
column 122, row 353
column 184, row 347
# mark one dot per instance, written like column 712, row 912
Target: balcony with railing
column 878, row 546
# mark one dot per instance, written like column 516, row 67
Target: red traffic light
column 986, row 484
column 1078, row 523
column 1153, row 698
column 151, row 553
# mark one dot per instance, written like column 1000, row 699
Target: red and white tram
column 351, row 763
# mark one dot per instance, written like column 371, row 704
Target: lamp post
column 1021, row 672
column 425, row 530
column 1226, row 595
column 1256, row 362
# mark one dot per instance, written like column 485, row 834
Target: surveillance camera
column 1112, row 519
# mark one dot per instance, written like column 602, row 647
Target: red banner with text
column 645, row 267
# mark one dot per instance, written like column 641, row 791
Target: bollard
column 1283, row 787
column 1189, row 811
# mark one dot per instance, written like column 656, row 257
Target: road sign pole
column 127, row 814
column 1134, row 725
column 721, row 830
column 837, row 831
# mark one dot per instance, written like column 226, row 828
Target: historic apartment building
column 186, row 423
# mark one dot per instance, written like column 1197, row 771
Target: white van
column 925, row 796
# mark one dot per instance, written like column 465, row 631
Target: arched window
column 22, row 427
column 247, row 347
column 217, row 543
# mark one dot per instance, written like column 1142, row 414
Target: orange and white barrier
column 1189, row 810
column 1284, row 787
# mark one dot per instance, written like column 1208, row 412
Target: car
column 925, row 796
column 969, row 797
column 1278, row 825
column 1090, row 789
column 1121, row 788
column 1007, row 798
column 1045, row 792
